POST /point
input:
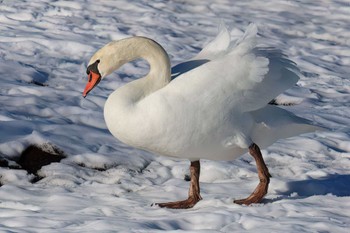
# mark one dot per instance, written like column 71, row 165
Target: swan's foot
column 193, row 194
column 264, row 176
column 185, row 204
column 256, row 196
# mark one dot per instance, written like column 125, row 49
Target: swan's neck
column 121, row 109
column 117, row 53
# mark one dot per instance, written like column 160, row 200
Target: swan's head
column 94, row 77
column 103, row 63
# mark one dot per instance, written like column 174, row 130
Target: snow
column 106, row 186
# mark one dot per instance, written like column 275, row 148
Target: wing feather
column 244, row 76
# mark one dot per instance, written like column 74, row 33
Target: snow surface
column 105, row 186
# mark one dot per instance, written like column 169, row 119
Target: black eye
column 88, row 72
column 98, row 61
column 90, row 77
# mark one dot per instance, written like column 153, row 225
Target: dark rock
column 35, row 157
column 275, row 102
column 3, row 162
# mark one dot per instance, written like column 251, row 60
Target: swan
column 214, row 106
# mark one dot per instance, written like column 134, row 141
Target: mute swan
column 216, row 108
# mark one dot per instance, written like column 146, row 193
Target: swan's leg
column 193, row 194
column 264, row 177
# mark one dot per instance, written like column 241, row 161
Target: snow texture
column 106, row 186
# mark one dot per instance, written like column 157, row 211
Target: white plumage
column 211, row 107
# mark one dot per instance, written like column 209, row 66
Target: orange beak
column 94, row 79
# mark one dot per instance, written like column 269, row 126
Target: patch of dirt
column 34, row 157
column 101, row 169
column 3, row 162
column 275, row 102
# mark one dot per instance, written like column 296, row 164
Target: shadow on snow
column 334, row 184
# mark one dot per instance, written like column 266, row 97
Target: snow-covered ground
column 106, row 186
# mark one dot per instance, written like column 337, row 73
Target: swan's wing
column 282, row 74
column 245, row 77
column 217, row 46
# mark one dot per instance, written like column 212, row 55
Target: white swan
column 216, row 108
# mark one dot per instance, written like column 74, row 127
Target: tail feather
column 273, row 123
